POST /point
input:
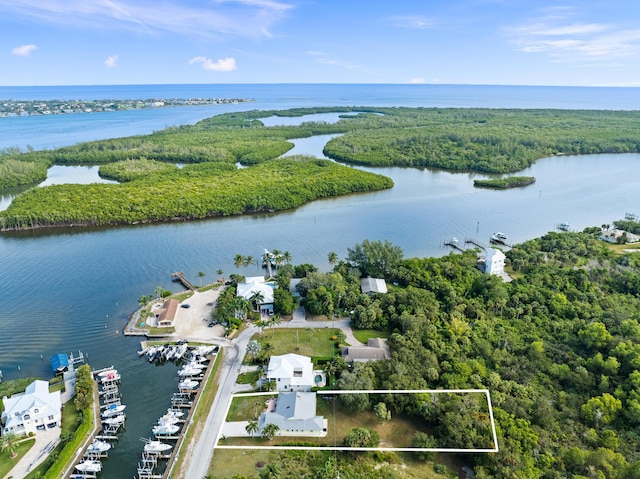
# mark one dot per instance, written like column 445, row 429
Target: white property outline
column 369, row 391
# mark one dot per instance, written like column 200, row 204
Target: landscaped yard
column 246, row 408
column 6, row 463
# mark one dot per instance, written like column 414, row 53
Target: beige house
column 166, row 316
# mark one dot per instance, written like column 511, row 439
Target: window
column 36, row 411
column 50, row 418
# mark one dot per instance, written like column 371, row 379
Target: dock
column 454, row 244
column 179, row 276
column 474, row 241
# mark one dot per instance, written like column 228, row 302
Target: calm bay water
column 70, row 290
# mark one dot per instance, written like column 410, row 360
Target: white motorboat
column 113, row 410
column 114, row 420
column 191, row 369
column 180, row 351
column 89, row 466
column 165, row 429
column 156, row 447
column 499, row 238
column 168, row 419
column 105, row 373
column 98, row 446
column 188, row 384
column 175, row 412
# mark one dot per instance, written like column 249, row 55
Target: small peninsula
column 505, row 183
column 9, row 108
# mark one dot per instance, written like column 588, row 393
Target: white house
column 612, row 236
column 291, row 372
column 494, row 262
column 373, row 285
column 34, row 410
column 254, row 285
column 295, row 413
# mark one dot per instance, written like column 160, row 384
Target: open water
column 70, row 290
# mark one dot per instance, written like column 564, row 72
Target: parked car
column 185, row 305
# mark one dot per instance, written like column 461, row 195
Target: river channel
column 73, row 289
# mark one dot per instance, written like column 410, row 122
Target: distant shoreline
column 15, row 108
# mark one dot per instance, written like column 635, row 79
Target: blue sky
column 508, row 42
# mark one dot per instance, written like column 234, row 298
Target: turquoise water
column 73, row 289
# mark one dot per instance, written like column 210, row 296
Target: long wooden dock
column 179, row 276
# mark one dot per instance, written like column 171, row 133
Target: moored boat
column 156, row 447
column 113, row 410
column 89, row 466
column 165, row 429
column 98, row 446
column 499, row 238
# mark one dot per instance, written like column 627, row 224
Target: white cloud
column 24, row 50
column 566, row 41
column 411, row 21
column 417, row 80
column 222, row 65
column 111, row 61
column 246, row 18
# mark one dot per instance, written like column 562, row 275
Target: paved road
column 202, row 452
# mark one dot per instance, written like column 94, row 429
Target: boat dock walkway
column 179, row 276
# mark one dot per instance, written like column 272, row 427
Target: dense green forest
column 485, row 140
column 188, row 193
column 503, row 183
column 558, row 348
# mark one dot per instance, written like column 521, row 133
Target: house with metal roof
column 295, row 414
column 291, row 372
column 34, row 410
column 373, row 285
column 376, row 349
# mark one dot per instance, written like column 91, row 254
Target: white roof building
column 34, row 410
column 373, row 285
column 291, row 372
column 257, row 284
column 494, row 262
column 295, row 412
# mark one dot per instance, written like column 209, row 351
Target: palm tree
column 310, row 331
column 241, row 307
column 333, row 258
column 201, row 275
column 287, row 257
column 248, row 261
column 270, row 431
column 238, row 261
column 273, row 322
column 252, row 427
column 159, row 290
column 256, row 299
column 8, row 443
column 254, row 348
column 267, row 349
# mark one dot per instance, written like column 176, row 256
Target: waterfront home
column 291, row 372
column 34, row 410
column 494, row 262
column 166, row 315
column 256, row 287
column 295, row 414
column 617, row 235
column 373, row 285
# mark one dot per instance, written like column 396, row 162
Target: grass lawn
column 248, row 378
column 621, row 248
column 363, row 335
column 314, row 342
column 227, row 463
column 6, row 463
column 246, row 408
